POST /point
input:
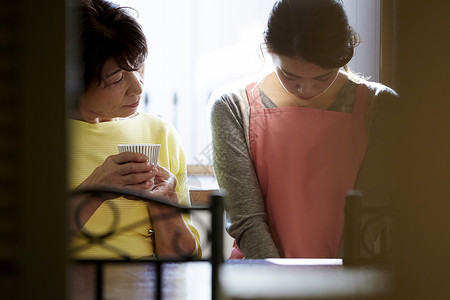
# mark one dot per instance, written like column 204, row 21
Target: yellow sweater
column 89, row 146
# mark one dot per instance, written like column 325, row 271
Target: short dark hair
column 109, row 31
column 315, row 30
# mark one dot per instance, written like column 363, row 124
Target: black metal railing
column 214, row 238
column 369, row 231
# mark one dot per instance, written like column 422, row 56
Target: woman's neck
column 76, row 114
column 272, row 87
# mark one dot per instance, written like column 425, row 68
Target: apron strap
column 253, row 97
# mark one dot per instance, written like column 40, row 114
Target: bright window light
column 198, row 46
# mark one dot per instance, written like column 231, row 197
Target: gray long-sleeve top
column 233, row 165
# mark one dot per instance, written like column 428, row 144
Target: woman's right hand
column 123, row 170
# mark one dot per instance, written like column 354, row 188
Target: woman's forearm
column 173, row 237
column 235, row 173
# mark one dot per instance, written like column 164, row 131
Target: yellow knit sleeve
column 178, row 167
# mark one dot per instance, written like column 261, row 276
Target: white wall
column 364, row 17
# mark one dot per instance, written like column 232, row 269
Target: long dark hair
column 315, row 30
column 109, row 31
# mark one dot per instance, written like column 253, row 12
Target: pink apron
column 306, row 160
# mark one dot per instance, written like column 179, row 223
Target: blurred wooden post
column 352, row 228
column 422, row 80
column 217, row 207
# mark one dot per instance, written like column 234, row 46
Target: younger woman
column 288, row 147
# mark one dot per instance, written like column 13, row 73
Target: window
column 202, row 45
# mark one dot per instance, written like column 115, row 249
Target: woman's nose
column 305, row 86
column 136, row 85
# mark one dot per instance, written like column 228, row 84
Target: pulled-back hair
column 315, row 30
column 109, row 31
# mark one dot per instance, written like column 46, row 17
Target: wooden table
column 239, row 279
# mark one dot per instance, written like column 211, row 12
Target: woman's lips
column 133, row 105
column 306, row 98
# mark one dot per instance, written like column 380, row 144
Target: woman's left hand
column 172, row 235
column 165, row 184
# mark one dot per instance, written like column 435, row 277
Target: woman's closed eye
column 118, row 79
column 114, row 80
column 289, row 77
column 323, row 79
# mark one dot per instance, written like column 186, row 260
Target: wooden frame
column 387, row 42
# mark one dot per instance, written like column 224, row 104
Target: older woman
column 113, row 52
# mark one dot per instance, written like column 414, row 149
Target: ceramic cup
column 150, row 150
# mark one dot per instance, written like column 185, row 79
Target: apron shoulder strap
column 253, row 97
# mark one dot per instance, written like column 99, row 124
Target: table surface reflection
column 239, row 279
